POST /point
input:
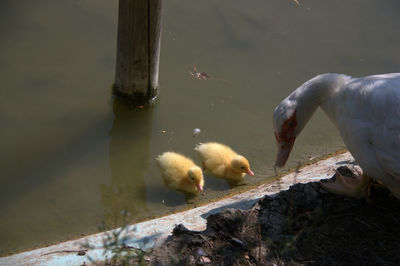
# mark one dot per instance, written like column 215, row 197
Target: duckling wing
column 173, row 167
column 219, row 170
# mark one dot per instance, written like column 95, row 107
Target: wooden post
column 138, row 50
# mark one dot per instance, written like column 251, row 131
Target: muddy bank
column 302, row 225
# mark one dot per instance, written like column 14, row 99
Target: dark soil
column 303, row 225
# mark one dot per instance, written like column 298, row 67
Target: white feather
column 366, row 112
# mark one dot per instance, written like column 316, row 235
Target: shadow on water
column 129, row 161
column 217, row 184
column 170, row 197
column 46, row 165
column 220, row 184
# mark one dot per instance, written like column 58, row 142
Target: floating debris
column 202, row 75
column 198, row 75
column 196, row 132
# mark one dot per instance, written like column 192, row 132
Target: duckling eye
column 242, row 167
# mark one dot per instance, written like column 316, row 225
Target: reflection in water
column 129, row 162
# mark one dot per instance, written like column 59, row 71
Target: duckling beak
column 199, row 187
column 249, row 172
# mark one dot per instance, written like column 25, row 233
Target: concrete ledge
column 148, row 234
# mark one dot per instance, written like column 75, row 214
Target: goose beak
column 285, row 147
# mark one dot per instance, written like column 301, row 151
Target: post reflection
column 129, row 161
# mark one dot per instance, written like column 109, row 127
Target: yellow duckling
column 180, row 173
column 222, row 161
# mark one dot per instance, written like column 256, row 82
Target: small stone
column 81, row 252
column 205, row 259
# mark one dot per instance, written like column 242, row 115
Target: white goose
column 366, row 111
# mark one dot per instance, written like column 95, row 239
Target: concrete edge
column 148, row 234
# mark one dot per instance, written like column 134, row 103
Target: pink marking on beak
column 249, row 172
column 285, row 138
column 285, row 147
column 199, row 187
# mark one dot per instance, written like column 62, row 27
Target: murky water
column 71, row 156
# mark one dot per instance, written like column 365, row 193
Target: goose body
column 221, row 161
column 365, row 110
column 180, row 172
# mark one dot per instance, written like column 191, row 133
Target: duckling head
column 196, row 177
column 240, row 164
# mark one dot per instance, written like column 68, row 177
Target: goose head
column 293, row 113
